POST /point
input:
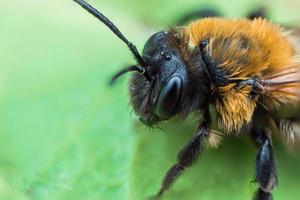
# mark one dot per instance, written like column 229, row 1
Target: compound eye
column 169, row 98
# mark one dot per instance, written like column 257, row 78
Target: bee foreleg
column 266, row 172
column 186, row 157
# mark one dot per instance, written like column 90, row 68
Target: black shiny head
column 166, row 84
column 161, row 98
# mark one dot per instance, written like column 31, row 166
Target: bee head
column 160, row 98
column 163, row 85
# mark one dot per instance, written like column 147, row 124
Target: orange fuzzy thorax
column 243, row 49
column 269, row 46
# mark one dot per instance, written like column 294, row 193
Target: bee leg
column 257, row 85
column 186, row 157
column 266, row 172
column 289, row 127
column 258, row 13
column 198, row 14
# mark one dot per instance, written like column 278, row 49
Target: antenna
column 130, row 69
column 119, row 34
column 113, row 28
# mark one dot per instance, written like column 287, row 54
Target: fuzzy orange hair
column 243, row 49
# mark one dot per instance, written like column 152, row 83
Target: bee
column 246, row 71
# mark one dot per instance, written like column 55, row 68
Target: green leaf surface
column 65, row 134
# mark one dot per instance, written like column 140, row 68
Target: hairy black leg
column 218, row 76
column 258, row 13
column 256, row 84
column 198, row 14
column 187, row 156
column 266, row 172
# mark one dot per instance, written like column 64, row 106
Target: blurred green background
column 64, row 134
